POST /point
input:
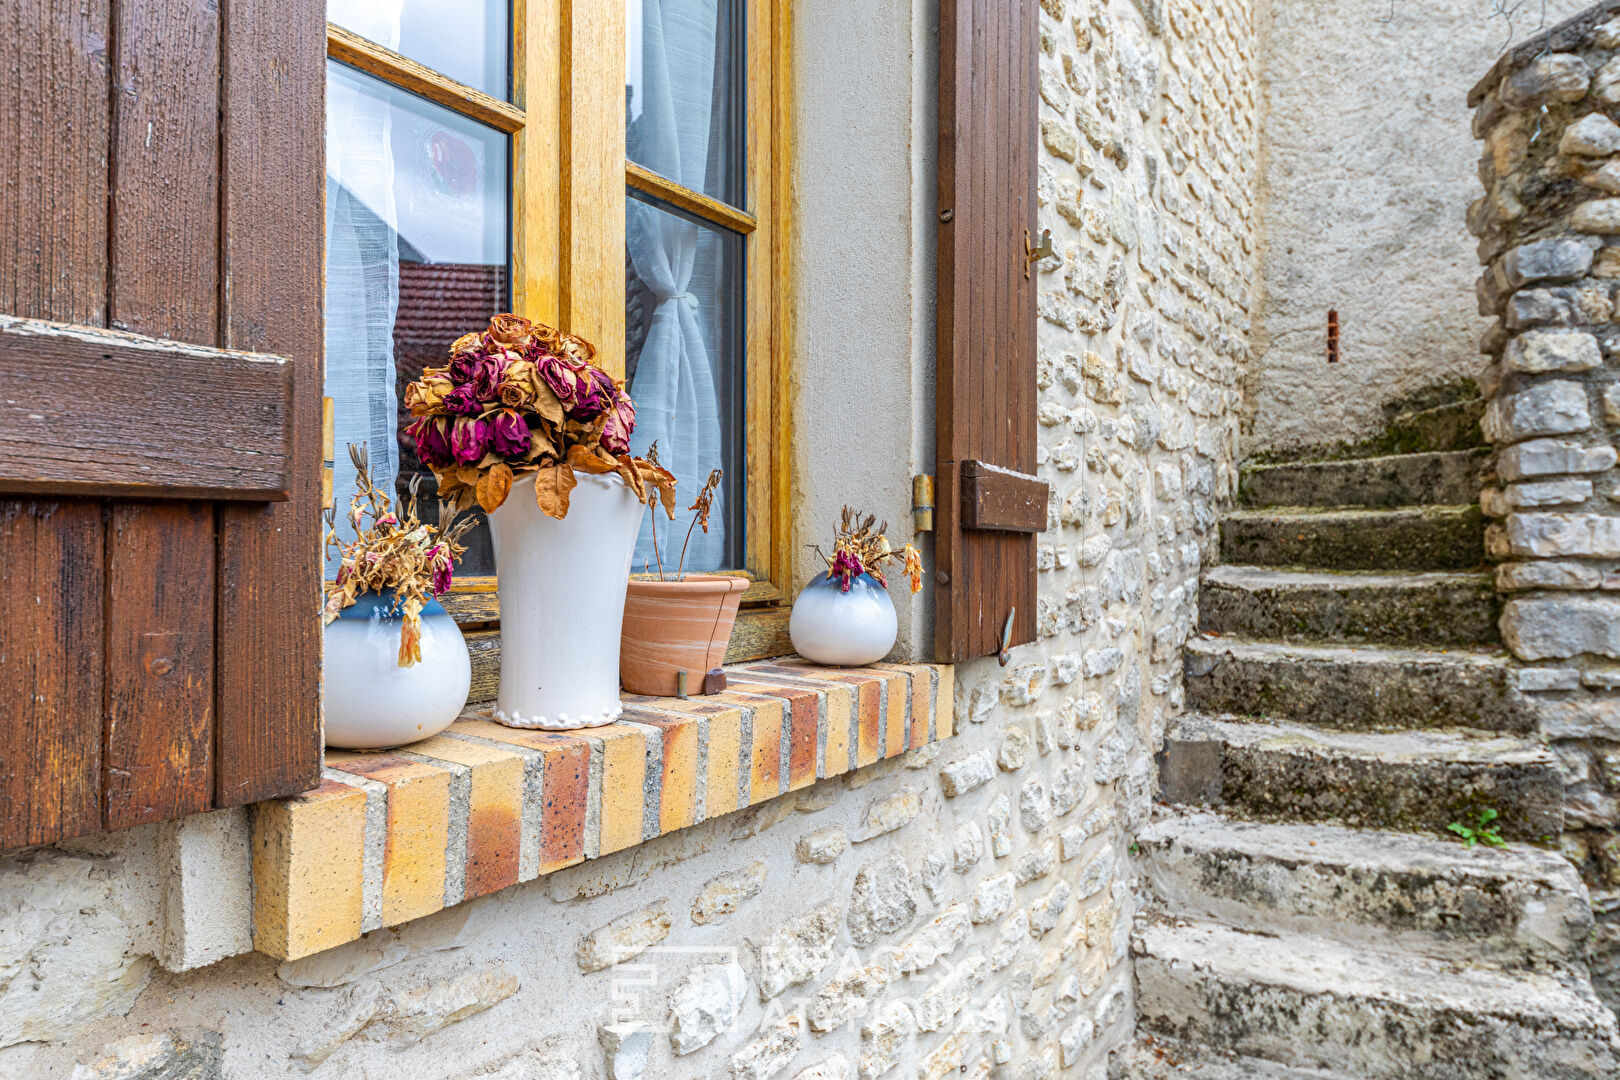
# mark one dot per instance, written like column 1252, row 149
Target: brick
column 564, row 786
column 803, row 717
column 944, row 702
column 922, row 692
column 621, row 788
column 414, row 860
column 308, row 865
column 896, row 716
column 678, row 768
column 765, row 750
column 494, row 810
column 839, row 701
column 722, row 764
column 868, row 702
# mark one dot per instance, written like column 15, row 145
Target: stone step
column 1411, row 538
column 1149, row 1058
column 1439, row 608
column 1452, row 426
column 1398, row 891
column 1316, row 1002
column 1369, row 688
column 1414, row 781
column 1448, row 478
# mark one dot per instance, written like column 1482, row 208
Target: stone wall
column 1549, row 239
column 1364, row 169
column 961, row 910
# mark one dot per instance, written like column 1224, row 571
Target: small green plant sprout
column 1484, row 830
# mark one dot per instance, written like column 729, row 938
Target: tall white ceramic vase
column 562, row 586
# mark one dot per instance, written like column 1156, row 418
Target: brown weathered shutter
column 161, row 215
column 989, row 504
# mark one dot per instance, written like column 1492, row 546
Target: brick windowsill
column 394, row 836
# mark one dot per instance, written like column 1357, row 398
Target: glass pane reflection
column 468, row 40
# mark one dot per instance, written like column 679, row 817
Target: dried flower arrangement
column 859, row 548
column 403, row 556
column 701, row 508
column 519, row 398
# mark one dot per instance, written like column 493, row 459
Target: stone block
column 625, row 938
column 164, row 1055
column 796, row 951
column 883, row 900
column 1554, row 535
column 834, row 1068
column 722, row 895
column 1593, row 135
column 887, row 814
column 1553, row 407
column 705, row 1005
column 1552, row 78
column 1547, row 574
column 1558, row 627
column 884, row 1039
column 1599, row 217
column 771, row 1051
column 1541, row 351
column 1547, row 493
column 1546, row 261
column 626, row 1046
column 992, row 898
column 967, row 774
column 1552, row 457
column 842, row 999
column 822, row 846
column 930, row 943
column 208, row 893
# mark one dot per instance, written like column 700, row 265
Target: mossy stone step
column 1307, row 1002
column 1413, row 781
column 1398, row 891
column 1444, row 608
column 1438, row 478
column 1412, row 538
column 1165, row 1059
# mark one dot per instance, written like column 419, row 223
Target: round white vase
column 369, row 701
column 843, row 629
column 562, row 585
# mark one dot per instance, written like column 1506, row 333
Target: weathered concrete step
column 1398, row 891
column 1166, row 1059
column 1312, row 1002
column 1445, row 478
column 1437, row 608
column 1452, row 426
column 1369, row 688
column 1412, row 538
column 1415, row 781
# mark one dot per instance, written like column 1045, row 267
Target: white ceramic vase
column 562, row 585
column 369, row 701
column 843, row 629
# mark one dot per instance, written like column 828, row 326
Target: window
column 611, row 170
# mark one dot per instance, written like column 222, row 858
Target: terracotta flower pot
column 675, row 626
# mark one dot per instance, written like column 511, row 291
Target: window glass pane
column 684, row 93
column 684, row 363
column 416, row 255
column 467, row 40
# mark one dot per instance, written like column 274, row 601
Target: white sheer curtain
column 362, row 272
column 675, row 393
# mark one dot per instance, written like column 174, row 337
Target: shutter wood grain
column 985, row 380
column 91, row 412
column 273, row 132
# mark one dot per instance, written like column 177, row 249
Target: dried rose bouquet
column 521, row 398
column 402, row 556
column 859, row 548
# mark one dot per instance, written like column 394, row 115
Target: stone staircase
column 1308, row 914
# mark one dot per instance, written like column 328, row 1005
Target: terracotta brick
column 804, row 716
column 840, row 697
column 622, row 794
column 677, row 800
column 418, row 831
column 921, row 685
column 944, row 703
column 896, row 717
column 308, row 867
column 564, row 786
column 765, row 750
column 721, row 796
column 494, row 810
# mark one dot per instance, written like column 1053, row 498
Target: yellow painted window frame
column 570, row 176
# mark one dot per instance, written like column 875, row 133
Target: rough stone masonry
column 1549, row 239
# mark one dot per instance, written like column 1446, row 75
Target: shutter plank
column 160, row 662
column 985, row 409
column 53, row 183
column 267, row 722
column 163, row 282
column 50, row 671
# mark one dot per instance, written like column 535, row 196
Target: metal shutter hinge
column 327, row 453
column 922, row 503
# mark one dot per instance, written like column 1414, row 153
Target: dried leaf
column 493, row 486
column 546, row 402
column 632, row 477
column 552, row 486
column 590, row 460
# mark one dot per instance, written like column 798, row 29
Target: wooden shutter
column 161, row 225
column 989, row 506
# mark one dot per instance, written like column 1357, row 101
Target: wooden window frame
column 570, row 180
